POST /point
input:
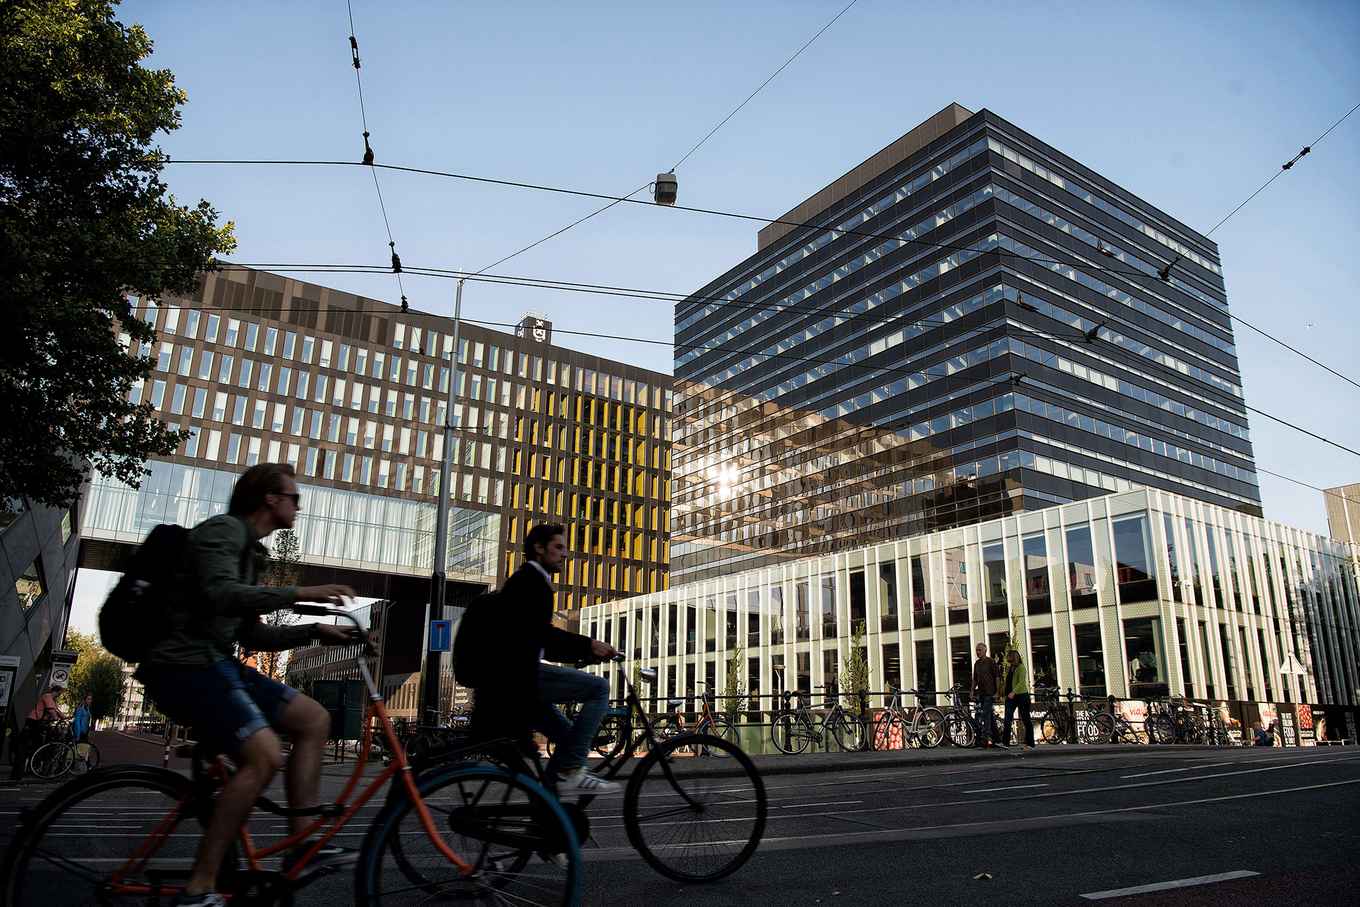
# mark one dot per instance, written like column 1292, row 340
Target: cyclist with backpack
column 499, row 652
column 195, row 678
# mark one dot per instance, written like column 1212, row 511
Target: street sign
column 9, row 668
column 62, row 662
column 441, row 635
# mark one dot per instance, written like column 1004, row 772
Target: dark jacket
column 521, row 631
column 985, row 675
column 221, row 604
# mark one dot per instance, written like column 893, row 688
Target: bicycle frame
column 340, row 812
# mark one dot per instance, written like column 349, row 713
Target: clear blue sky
column 1190, row 106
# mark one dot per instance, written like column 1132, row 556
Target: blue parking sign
column 441, row 635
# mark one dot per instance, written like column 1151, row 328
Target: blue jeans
column 984, row 719
column 570, row 741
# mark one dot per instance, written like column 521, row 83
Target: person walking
column 1015, row 687
column 80, row 724
column 985, row 675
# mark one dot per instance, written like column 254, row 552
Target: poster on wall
column 1230, row 722
column 1135, row 712
column 1288, row 729
column 1306, row 731
column 1270, row 721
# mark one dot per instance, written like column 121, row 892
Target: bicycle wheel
column 694, row 827
column 1098, row 728
column 1160, row 728
column 721, row 728
column 890, row 732
column 928, row 726
column 1053, row 730
column 610, row 737
column 133, row 818
column 848, row 732
column 51, row 760
column 958, row 727
column 790, row 733
column 86, row 758
column 517, row 841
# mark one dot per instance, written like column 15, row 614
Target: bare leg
column 307, row 725
column 260, row 760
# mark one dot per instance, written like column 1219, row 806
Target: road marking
column 1166, row 886
column 801, row 805
column 988, row 790
column 1188, row 768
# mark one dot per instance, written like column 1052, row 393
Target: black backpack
column 472, row 643
column 137, row 613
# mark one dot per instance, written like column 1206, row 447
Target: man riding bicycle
column 516, row 693
column 195, row 677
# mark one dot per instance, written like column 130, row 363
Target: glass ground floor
column 1137, row 595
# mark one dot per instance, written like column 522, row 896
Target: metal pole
column 433, row 662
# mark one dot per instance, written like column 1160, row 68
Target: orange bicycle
column 127, row 834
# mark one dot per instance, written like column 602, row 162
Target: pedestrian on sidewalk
column 985, row 675
column 81, row 723
column 1015, row 687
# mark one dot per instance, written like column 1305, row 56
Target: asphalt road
column 1017, row 827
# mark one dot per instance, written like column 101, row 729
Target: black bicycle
column 690, row 823
column 795, row 728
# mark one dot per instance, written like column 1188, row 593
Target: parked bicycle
column 794, row 729
column 59, row 754
column 1063, row 722
column 899, row 727
column 959, row 728
column 461, row 831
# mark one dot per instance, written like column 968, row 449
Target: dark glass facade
column 1002, row 342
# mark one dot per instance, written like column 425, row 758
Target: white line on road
column 1188, row 768
column 1166, row 886
column 988, row 790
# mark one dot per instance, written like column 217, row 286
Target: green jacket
column 221, row 604
column 1015, row 675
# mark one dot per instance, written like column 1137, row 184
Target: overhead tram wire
column 685, row 157
column 368, row 158
column 1284, row 168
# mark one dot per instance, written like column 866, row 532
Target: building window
column 920, row 592
column 1145, row 655
column 710, row 624
column 1043, row 659
column 960, row 662
column 1081, row 567
column 994, row 580
column 1133, row 565
column 776, row 615
column 857, row 602
column 1172, row 556
column 1183, row 643
column 1090, row 660
column 1035, row 552
column 925, row 666
column 753, row 619
column 29, row 585
column 956, row 586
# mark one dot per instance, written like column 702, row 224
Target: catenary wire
column 723, row 122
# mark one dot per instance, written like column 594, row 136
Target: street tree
column 88, row 233
column 855, row 677
column 96, row 673
column 284, row 569
column 732, row 688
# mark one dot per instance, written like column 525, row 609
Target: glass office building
column 1135, row 594
column 979, row 326
column 254, row 367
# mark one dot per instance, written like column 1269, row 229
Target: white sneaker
column 583, row 782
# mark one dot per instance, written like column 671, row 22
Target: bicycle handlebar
column 314, row 610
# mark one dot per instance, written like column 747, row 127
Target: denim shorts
column 224, row 702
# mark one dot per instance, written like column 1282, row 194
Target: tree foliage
column 732, row 688
column 855, row 677
column 97, row 673
column 87, row 229
column 284, row 569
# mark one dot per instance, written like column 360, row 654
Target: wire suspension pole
column 434, row 661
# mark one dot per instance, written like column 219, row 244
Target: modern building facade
column 1135, row 594
column 38, row 551
column 352, row 392
column 1343, row 512
column 979, row 325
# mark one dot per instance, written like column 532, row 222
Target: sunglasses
column 294, row 496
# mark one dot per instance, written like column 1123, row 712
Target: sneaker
column 329, row 857
column 207, row 899
column 583, row 782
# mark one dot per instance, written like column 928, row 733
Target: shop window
column 857, row 601
column 1043, row 659
column 956, row 586
column 1090, row 660
column 1145, row 655
column 887, row 596
column 920, row 592
column 1081, row 568
column 830, row 625
column 1133, row 562
column 961, row 662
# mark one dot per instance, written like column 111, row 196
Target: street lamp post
column 432, row 663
